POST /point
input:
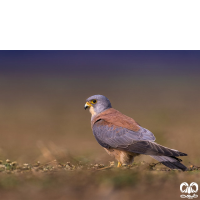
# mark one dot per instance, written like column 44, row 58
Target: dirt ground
column 42, row 119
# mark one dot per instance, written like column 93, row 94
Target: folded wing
column 140, row 141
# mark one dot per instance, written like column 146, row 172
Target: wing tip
column 175, row 165
column 182, row 154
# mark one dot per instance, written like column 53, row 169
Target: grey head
column 97, row 104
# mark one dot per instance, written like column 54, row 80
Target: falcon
column 123, row 138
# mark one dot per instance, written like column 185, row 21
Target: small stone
column 8, row 161
column 112, row 163
column 68, row 163
column 14, row 163
column 67, row 167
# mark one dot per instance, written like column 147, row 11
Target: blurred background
column 42, row 97
column 42, row 118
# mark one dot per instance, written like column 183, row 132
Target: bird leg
column 119, row 164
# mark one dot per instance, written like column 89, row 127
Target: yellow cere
column 88, row 104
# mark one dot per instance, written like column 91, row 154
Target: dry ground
column 42, row 119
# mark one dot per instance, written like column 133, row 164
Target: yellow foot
column 119, row 164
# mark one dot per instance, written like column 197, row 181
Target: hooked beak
column 87, row 105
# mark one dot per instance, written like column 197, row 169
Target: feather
column 171, row 162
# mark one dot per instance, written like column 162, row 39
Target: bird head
column 97, row 104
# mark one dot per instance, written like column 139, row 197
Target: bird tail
column 170, row 161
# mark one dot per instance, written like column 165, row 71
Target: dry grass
column 42, row 119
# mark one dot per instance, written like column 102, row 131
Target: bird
column 124, row 139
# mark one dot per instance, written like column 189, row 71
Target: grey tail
column 170, row 161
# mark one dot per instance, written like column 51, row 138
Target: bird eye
column 94, row 101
